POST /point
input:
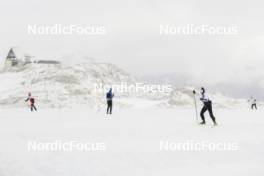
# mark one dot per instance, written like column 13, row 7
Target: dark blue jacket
column 109, row 95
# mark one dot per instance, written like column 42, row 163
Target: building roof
column 11, row 54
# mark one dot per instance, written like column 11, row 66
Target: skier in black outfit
column 109, row 99
column 32, row 102
column 207, row 106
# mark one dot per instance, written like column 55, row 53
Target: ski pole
column 195, row 104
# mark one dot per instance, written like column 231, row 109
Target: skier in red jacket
column 31, row 102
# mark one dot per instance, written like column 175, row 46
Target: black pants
column 207, row 106
column 254, row 106
column 33, row 107
column 109, row 106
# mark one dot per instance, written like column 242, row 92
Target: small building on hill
column 17, row 57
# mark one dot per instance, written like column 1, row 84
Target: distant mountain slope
column 69, row 85
column 59, row 85
column 185, row 97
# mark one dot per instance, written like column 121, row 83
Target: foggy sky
column 133, row 39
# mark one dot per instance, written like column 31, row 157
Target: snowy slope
column 70, row 84
column 185, row 97
column 131, row 136
column 59, row 85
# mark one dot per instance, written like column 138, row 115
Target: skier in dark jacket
column 31, row 102
column 207, row 106
column 109, row 99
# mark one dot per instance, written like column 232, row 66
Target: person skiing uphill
column 31, row 102
column 109, row 99
column 207, row 105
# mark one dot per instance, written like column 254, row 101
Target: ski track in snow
column 132, row 139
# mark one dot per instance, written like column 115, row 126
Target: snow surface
column 132, row 139
column 69, row 109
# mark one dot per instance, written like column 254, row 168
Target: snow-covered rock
column 59, row 85
column 185, row 97
column 85, row 82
